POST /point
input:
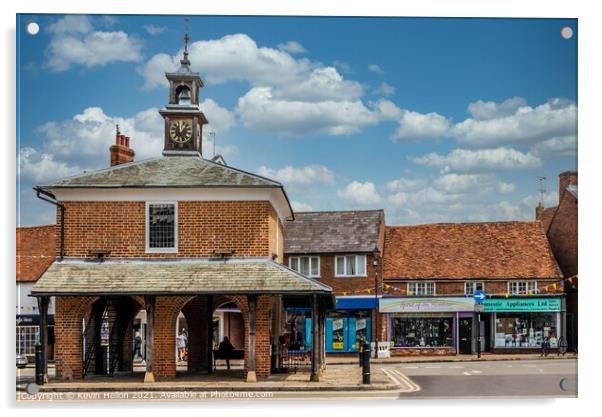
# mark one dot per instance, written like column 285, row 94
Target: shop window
column 350, row 266
column 297, row 334
column 161, row 227
column 26, row 338
column 421, row 288
column 306, row 265
column 522, row 287
column 421, row 332
column 525, row 330
column 470, row 287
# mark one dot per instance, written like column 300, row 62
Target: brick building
column 432, row 271
column 561, row 226
column 342, row 249
column 170, row 235
column 36, row 250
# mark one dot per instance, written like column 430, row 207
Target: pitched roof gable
column 36, row 251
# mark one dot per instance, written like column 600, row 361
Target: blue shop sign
column 355, row 303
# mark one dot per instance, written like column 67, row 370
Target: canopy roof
column 174, row 277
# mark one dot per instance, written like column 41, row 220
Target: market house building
column 36, row 250
column 170, row 235
column 342, row 249
column 432, row 271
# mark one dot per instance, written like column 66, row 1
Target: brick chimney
column 566, row 178
column 121, row 152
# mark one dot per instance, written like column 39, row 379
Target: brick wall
column 562, row 235
column 241, row 226
column 456, row 288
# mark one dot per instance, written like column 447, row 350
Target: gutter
column 50, row 198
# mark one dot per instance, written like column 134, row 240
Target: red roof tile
column 469, row 250
column 36, row 250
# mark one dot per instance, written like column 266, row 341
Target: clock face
column 180, row 131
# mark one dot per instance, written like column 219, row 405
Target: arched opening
column 107, row 336
column 183, row 95
column 228, row 337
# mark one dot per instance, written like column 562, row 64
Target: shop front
column 525, row 323
column 428, row 325
column 349, row 323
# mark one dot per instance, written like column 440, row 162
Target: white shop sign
column 426, row 304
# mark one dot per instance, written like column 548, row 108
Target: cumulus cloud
column 300, row 206
column 482, row 160
column 375, row 69
column 513, row 122
column 413, row 125
column 559, row 146
column 360, row 193
column 38, row 167
column 74, row 41
column 405, row 184
column 154, row 30
column 307, row 175
column 384, row 89
column 292, row 47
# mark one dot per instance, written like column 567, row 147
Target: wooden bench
column 236, row 354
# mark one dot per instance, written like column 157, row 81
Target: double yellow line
column 405, row 383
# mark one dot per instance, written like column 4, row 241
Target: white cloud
column 559, row 146
column 376, row 69
column 483, row 160
column 38, row 167
column 260, row 110
column 384, row 89
column 221, row 120
column 154, row 30
column 506, row 187
column 307, row 175
column 360, row 193
column 486, row 110
column 75, row 42
column 299, row 206
column 292, row 47
column 461, row 183
column 405, row 184
column 513, row 122
column 342, row 66
column 413, row 125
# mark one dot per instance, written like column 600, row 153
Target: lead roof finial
column 185, row 61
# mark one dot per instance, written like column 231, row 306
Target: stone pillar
column 43, row 308
column 314, row 339
column 149, row 301
column 252, row 302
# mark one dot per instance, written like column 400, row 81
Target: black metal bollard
column 39, row 364
column 360, row 349
column 366, row 364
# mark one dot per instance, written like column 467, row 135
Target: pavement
column 349, row 359
column 514, row 376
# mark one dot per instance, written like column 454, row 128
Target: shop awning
column 175, row 277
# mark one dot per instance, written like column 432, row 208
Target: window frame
column 298, row 259
column 527, row 284
column 426, row 284
column 473, row 284
column 345, row 274
column 148, row 249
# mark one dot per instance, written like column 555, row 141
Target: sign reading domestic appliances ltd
column 522, row 304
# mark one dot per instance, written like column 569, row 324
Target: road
column 487, row 379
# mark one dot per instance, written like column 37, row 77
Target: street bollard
column 366, row 364
column 39, row 364
column 360, row 348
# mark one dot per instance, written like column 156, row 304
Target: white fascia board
column 274, row 195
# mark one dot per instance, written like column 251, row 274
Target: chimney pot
column 121, row 152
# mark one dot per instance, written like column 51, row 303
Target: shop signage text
column 523, row 304
column 432, row 304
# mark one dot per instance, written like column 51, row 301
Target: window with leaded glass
column 161, row 227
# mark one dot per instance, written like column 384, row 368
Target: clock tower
column 184, row 119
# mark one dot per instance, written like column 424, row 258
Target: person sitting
column 225, row 350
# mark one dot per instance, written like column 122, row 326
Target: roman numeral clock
column 183, row 117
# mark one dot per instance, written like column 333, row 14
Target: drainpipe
column 50, row 198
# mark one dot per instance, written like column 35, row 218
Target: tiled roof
column 167, row 171
column 333, row 231
column 187, row 276
column 36, row 250
column 469, row 250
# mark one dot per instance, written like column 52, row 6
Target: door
column 358, row 328
column 336, row 337
column 465, row 334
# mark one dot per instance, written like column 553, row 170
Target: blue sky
column 434, row 120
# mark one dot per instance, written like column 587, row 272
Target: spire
column 185, row 61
